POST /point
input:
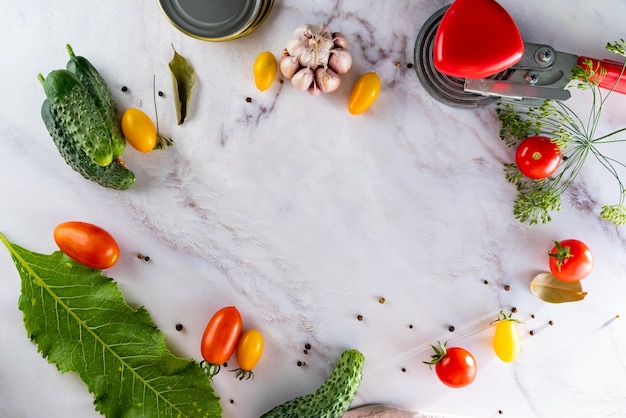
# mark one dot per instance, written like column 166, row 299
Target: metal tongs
column 451, row 45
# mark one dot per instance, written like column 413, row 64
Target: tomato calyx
column 440, row 351
column 504, row 317
column 562, row 253
column 210, row 369
column 243, row 374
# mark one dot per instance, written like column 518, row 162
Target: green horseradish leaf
column 80, row 322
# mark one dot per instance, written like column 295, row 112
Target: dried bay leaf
column 550, row 289
column 80, row 322
column 183, row 80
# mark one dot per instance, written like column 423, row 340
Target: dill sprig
column 576, row 138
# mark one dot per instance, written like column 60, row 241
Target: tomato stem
column 505, row 317
column 561, row 254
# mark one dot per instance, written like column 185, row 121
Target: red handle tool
column 614, row 77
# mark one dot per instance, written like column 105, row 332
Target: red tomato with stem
column 455, row 366
column 570, row 260
column 220, row 338
column 249, row 351
column 87, row 244
column 537, row 157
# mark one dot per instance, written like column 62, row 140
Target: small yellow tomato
column 249, row 351
column 364, row 93
column 506, row 342
column 139, row 130
column 265, row 68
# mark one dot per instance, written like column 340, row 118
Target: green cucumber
column 331, row 399
column 79, row 114
column 93, row 81
column 114, row 176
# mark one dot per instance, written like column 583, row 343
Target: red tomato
column 570, row 260
column 455, row 366
column 87, row 244
column 537, row 157
column 220, row 337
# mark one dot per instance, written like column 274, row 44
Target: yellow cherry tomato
column 364, row 93
column 249, row 351
column 265, row 68
column 139, row 130
column 506, row 342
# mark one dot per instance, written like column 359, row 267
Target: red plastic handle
column 615, row 76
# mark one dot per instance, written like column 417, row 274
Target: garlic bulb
column 315, row 57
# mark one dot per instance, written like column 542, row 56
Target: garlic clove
column 327, row 79
column 302, row 79
column 340, row 60
column 289, row 65
column 340, row 40
column 314, row 90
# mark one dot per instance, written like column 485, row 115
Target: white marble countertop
column 303, row 215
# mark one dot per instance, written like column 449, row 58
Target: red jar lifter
column 471, row 54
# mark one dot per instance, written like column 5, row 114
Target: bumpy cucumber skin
column 79, row 114
column 113, row 176
column 95, row 84
column 333, row 398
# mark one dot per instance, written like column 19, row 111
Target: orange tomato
column 364, row 93
column 139, row 130
column 249, row 351
column 87, row 244
column 265, row 68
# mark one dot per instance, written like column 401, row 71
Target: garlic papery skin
column 324, row 31
column 302, row 79
column 340, row 40
column 327, row 80
column 303, row 31
column 340, row 60
column 297, row 46
column 289, row 66
column 308, row 59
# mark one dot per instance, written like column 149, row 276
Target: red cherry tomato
column 455, row 366
column 570, row 260
column 220, row 338
column 537, row 157
column 87, row 244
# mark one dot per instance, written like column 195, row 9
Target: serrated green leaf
column 550, row 289
column 80, row 322
column 183, row 80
